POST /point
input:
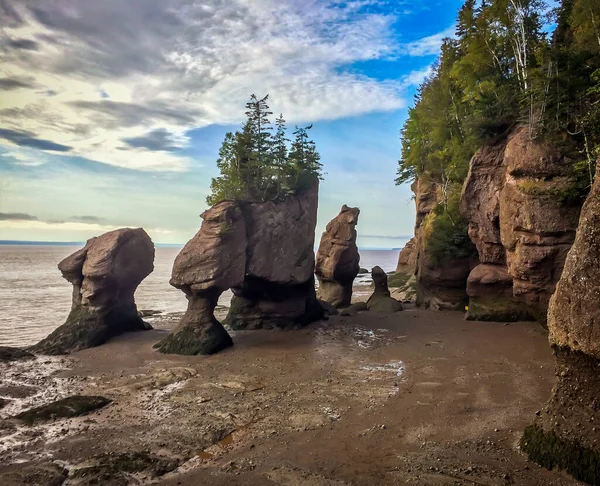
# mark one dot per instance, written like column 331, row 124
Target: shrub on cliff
column 256, row 165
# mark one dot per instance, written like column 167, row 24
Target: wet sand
column 419, row 397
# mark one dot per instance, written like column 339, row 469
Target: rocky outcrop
column 520, row 224
column 537, row 223
column 565, row 434
column 264, row 253
column 381, row 300
column 407, row 260
column 337, row 262
column 105, row 274
column 278, row 290
column 441, row 284
column 213, row 261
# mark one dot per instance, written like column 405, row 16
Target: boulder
column 105, row 274
column 337, row 262
column 213, row 261
column 381, row 300
column 564, row 435
column 407, row 260
column 278, row 287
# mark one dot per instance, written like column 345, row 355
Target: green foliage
column 445, row 233
column 501, row 70
column 256, row 165
column 551, row 451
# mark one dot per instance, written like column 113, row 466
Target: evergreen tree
column 254, row 164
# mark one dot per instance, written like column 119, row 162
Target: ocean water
column 35, row 299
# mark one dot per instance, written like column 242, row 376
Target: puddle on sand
column 392, row 366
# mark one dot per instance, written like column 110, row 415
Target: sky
column 112, row 112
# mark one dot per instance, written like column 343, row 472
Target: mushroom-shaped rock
column 210, row 263
column 565, row 434
column 104, row 274
column 380, row 300
column 337, row 259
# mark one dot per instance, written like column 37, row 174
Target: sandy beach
column 418, row 397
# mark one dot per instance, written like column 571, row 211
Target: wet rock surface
column 411, row 393
column 565, row 434
column 337, row 263
column 104, row 274
column 73, row 406
column 8, row 353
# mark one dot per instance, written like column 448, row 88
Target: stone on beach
column 381, row 300
column 105, row 274
column 337, row 263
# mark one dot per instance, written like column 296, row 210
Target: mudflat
column 418, row 397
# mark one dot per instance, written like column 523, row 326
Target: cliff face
column 521, row 222
column 440, row 284
column 521, row 225
column 564, row 435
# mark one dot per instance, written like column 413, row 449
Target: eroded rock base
column 86, row 328
column 565, row 435
column 497, row 310
column 199, row 332
column 271, row 306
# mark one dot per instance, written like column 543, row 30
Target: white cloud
column 428, row 46
column 102, row 76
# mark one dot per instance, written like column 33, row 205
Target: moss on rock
column 189, row 340
column 551, row 451
column 497, row 310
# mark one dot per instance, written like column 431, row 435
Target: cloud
column 26, row 139
column 428, row 46
column 125, row 74
column 15, row 83
column 158, row 139
column 86, row 219
column 17, row 217
column 27, row 44
column 28, row 217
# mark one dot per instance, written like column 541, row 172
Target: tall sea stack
column 337, row 258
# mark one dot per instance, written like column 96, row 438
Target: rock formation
column 264, row 253
column 440, row 285
column 105, row 274
column 565, row 434
column 380, row 300
column 337, row 262
column 278, row 290
column 407, row 260
column 213, row 261
column 520, row 224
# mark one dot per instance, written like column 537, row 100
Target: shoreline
column 370, row 399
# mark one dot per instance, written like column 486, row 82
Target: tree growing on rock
column 257, row 165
